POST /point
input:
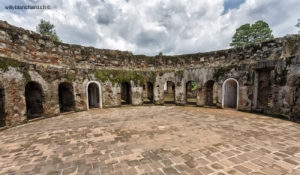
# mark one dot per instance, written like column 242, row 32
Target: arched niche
column 230, row 93
column 191, row 89
column 34, row 100
column 66, row 97
column 169, row 92
column 94, row 95
column 209, row 93
column 148, row 93
column 125, row 93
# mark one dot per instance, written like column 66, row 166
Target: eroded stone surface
column 152, row 140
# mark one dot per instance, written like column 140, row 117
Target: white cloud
column 150, row 27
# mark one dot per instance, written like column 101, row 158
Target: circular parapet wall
column 75, row 78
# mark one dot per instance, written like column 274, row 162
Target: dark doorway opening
column 191, row 92
column 125, row 93
column 34, row 100
column 209, row 93
column 264, row 93
column 230, row 94
column 66, row 97
column 295, row 107
column 2, row 107
column 169, row 92
column 148, row 93
column 93, row 95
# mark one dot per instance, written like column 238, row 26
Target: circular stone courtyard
column 152, row 140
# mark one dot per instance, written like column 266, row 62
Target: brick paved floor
column 152, row 140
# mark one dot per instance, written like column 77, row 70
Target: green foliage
column 47, row 29
column 249, row 34
column 194, row 86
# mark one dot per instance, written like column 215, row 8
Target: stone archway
column 169, row 92
column 93, row 95
column 125, row 93
column 191, row 90
column 34, row 100
column 230, row 93
column 148, row 93
column 209, row 93
column 66, row 97
column 2, row 107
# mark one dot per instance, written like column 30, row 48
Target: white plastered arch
column 87, row 93
column 237, row 91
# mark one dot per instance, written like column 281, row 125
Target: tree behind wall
column 46, row 28
column 248, row 34
column 298, row 25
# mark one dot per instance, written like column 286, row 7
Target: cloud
column 150, row 27
column 106, row 13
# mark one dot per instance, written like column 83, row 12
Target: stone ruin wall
column 266, row 76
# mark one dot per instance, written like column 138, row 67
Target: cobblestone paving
column 153, row 140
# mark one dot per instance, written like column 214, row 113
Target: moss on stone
column 120, row 76
column 222, row 71
column 9, row 62
column 292, row 44
column 26, row 76
column 5, row 63
column 69, row 77
column 281, row 77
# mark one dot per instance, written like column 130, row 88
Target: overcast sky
column 152, row 26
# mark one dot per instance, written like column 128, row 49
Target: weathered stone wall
column 265, row 76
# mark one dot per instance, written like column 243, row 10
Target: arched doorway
column 230, row 91
column 2, row 107
column 209, row 93
column 169, row 92
column 34, row 100
column 191, row 92
column 125, row 93
column 66, row 97
column 93, row 91
column 148, row 93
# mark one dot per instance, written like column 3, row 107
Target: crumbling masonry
column 42, row 78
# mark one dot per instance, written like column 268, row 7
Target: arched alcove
column 264, row 88
column 34, row 100
column 125, row 93
column 66, row 97
column 93, row 91
column 230, row 93
column 2, row 107
column 169, row 92
column 191, row 90
column 209, row 93
column 148, row 93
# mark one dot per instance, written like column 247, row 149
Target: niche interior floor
column 152, row 140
